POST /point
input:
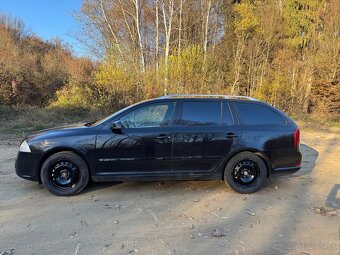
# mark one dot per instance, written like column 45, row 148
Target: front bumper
column 27, row 165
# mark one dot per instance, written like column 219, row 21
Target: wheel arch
column 53, row 151
column 259, row 153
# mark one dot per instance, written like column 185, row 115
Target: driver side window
column 155, row 115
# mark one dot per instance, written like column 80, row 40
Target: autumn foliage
column 285, row 52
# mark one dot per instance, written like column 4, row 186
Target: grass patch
column 317, row 121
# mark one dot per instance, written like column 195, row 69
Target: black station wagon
column 178, row 137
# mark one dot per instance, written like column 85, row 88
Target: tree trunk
column 167, row 27
column 180, row 27
column 206, row 31
column 157, row 40
column 237, row 64
column 140, row 43
column 115, row 39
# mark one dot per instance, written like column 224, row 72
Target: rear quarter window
column 254, row 114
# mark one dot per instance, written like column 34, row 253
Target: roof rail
column 208, row 96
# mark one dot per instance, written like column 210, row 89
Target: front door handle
column 231, row 135
column 162, row 136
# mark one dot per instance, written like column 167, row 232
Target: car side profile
column 178, row 137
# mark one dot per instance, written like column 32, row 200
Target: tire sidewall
column 71, row 157
column 229, row 169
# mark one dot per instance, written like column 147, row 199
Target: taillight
column 296, row 137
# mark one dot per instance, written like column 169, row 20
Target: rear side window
column 253, row 114
column 201, row 114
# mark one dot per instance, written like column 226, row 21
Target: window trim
column 171, row 122
column 231, row 114
column 179, row 115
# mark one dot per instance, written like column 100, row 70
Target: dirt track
column 178, row 217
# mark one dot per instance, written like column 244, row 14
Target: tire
column 64, row 174
column 245, row 173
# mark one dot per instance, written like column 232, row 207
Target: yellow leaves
column 189, row 72
column 246, row 21
column 275, row 91
column 189, row 62
column 73, row 97
column 302, row 17
column 113, row 78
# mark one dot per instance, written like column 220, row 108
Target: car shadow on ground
column 94, row 186
column 292, row 210
column 309, row 157
column 146, row 186
column 332, row 200
column 274, row 244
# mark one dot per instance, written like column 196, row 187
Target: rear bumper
column 286, row 162
column 285, row 170
column 27, row 165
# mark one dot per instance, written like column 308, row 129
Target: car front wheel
column 245, row 173
column 64, row 174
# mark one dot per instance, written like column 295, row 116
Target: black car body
column 178, row 137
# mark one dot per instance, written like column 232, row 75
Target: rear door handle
column 162, row 136
column 231, row 135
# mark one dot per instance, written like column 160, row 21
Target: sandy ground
column 178, row 217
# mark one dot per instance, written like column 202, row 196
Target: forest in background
column 284, row 52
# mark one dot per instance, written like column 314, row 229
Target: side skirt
column 149, row 177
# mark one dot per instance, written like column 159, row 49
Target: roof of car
column 207, row 96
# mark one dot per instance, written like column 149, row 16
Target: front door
column 142, row 146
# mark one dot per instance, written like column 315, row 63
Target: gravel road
column 298, row 214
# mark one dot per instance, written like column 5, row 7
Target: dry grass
column 317, row 121
column 21, row 121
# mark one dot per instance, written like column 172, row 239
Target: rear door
column 205, row 133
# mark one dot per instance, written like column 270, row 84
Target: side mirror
column 117, row 127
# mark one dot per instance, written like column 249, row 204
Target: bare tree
column 115, row 38
column 168, row 13
column 157, row 35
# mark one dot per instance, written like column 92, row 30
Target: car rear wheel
column 245, row 173
column 64, row 174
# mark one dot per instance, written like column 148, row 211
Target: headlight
column 24, row 147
